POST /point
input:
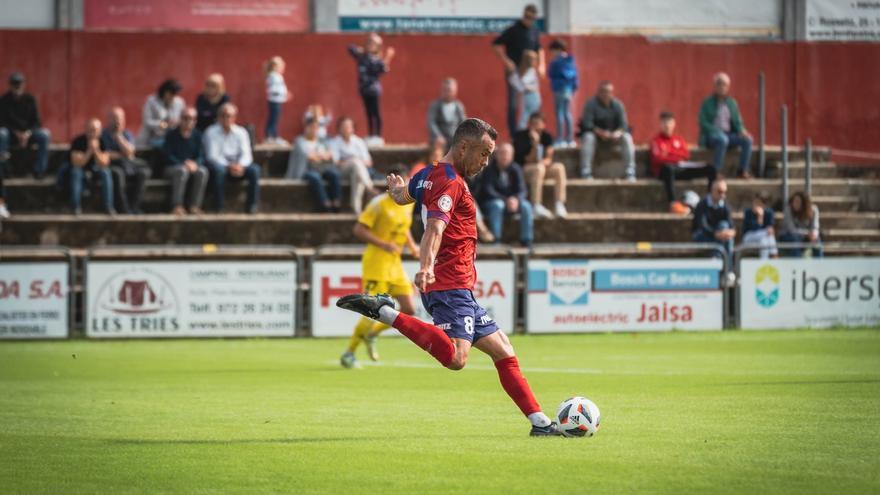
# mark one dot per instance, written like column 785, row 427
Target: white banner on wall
column 33, row 300
column 575, row 295
column 678, row 18
column 432, row 16
column 797, row 292
column 190, row 298
column 837, row 20
column 495, row 290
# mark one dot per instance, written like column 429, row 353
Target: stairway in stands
column 602, row 210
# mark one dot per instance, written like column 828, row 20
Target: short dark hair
column 473, row 129
column 342, row 119
column 532, row 8
column 558, row 44
column 169, row 86
column 762, row 197
column 536, row 115
column 604, row 82
column 666, row 115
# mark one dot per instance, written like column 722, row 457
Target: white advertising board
column 818, row 292
column 836, row 20
column 678, row 18
column 33, row 300
column 190, row 298
column 432, row 16
column 576, row 295
column 495, row 290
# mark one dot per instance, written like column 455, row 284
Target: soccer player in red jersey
column 446, row 274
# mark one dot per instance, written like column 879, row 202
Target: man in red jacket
column 669, row 161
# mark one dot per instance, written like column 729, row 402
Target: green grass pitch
column 732, row 412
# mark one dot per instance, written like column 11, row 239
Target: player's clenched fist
column 424, row 278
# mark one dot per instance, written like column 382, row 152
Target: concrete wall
column 830, row 88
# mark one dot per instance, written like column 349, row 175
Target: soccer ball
column 578, row 417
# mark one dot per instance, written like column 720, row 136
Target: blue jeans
column 531, row 104
column 494, row 210
column 39, row 137
column 700, row 236
column 512, row 105
column 272, row 122
column 720, row 142
column 564, row 129
column 799, row 252
column 332, row 191
column 77, row 178
column 219, row 175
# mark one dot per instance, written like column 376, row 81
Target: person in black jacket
column 502, row 189
column 712, row 221
column 20, row 125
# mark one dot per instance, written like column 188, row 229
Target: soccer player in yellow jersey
column 385, row 227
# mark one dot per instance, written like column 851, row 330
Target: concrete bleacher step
column 309, row 230
column 273, row 159
column 836, row 203
column 798, row 170
column 644, row 195
column 852, row 235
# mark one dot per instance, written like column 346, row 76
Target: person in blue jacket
column 564, row 81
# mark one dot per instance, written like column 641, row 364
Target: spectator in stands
column 352, row 157
column 722, row 128
column 229, row 156
column 758, row 226
column 533, row 147
column 603, row 122
column 436, row 150
column 372, row 62
column 185, row 165
column 669, row 161
column 130, row 173
column 310, row 160
column 525, row 81
column 509, row 47
column 277, row 94
column 161, row 112
column 210, row 100
column 322, row 117
column 20, row 125
column 712, row 221
column 89, row 157
column 801, row 224
column 564, row 82
column 503, row 190
column 446, row 112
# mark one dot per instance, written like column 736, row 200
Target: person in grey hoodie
column 446, row 112
column 161, row 113
column 801, row 224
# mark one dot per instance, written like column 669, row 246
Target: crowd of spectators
column 203, row 145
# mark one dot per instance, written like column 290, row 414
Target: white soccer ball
column 578, row 417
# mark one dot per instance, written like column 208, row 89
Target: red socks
column 516, row 386
column 426, row 336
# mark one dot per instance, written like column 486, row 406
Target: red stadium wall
column 831, row 88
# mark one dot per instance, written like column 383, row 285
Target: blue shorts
column 458, row 314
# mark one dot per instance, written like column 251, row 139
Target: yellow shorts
column 394, row 287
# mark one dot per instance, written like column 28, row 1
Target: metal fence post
column 808, row 168
column 784, row 144
column 762, row 116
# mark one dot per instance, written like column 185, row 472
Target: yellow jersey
column 390, row 222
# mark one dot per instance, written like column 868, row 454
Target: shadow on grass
column 801, row 382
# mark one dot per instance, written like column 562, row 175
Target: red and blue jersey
column 440, row 192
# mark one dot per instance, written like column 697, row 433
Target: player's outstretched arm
column 397, row 189
column 430, row 245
